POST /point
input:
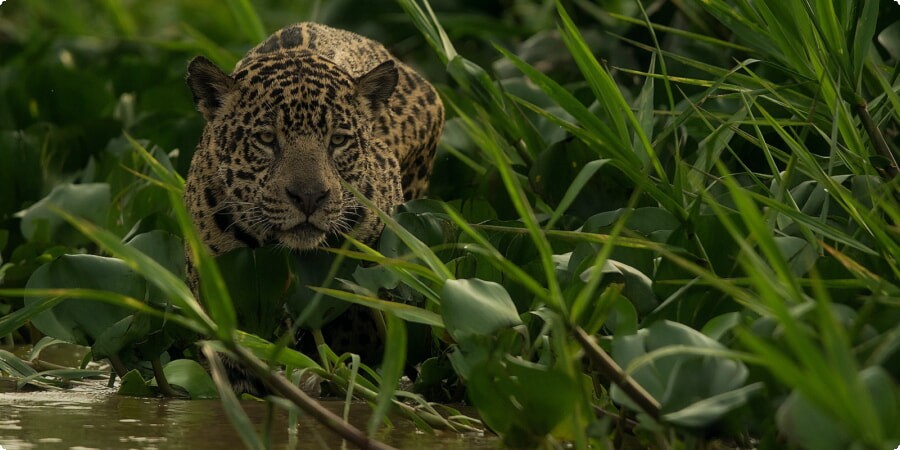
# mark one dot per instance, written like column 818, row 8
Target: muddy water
column 92, row 416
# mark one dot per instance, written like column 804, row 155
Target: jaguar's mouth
column 303, row 236
column 305, row 227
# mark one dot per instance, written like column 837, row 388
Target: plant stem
column 117, row 365
column 287, row 390
column 611, row 370
column 862, row 108
column 164, row 387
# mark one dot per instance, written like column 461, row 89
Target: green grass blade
column 418, row 248
column 166, row 281
column 391, row 370
column 248, row 21
column 233, row 409
column 52, row 297
column 606, row 90
column 494, row 255
column 403, row 311
column 489, row 142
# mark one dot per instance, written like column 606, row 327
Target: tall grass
column 696, row 251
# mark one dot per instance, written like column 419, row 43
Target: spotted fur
column 308, row 107
column 305, row 109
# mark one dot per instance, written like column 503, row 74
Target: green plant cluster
column 651, row 224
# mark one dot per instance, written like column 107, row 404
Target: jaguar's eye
column 265, row 137
column 338, row 140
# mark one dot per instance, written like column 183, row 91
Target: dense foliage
column 658, row 224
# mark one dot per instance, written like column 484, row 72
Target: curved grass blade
column 400, row 310
column 418, row 248
column 54, row 296
column 176, row 290
column 391, row 370
column 230, row 403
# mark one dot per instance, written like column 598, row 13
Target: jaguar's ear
column 376, row 87
column 208, row 84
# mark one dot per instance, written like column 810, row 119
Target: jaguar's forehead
column 271, row 70
column 301, row 92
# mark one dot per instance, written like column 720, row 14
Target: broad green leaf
column 476, row 307
column 166, row 249
column 87, row 201
column 116, row 337
column 719, row 325
column 708, row 410
column 804, row 424
column 190, row 376
column 133, row 385
column 522, row 401
column 798, row 253
column 77, row 320
column 259, row 281
column 681, row 379
column 170, row 285
column 638, row 287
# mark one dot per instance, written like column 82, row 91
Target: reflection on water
column 93, row 417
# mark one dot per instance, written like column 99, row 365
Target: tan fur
column 300, row 87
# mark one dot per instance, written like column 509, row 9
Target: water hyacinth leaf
column 878, row 381
column 376, row 278
column 476, row 307
column 680, row 380
column 312, row 269
column 190, row 376
column 118, row 336
column 258, row 281
column 805, row 425
column 708, row 410
column 71, row 320
column 89, row 201
column 522, row 401
column 624, row 318
column 638, row 287
column 644, row 220
column 799, row 254
column 716, row 327
column 163, row 247
column 10, row 322
column 429, row 228
column 133, row 385
column 172, row 286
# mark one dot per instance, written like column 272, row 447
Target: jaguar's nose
column 307, row 200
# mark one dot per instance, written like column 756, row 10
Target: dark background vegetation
column 749, row 246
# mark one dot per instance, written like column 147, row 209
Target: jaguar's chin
column 301, row 237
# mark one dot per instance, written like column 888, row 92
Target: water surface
column 93, row 416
